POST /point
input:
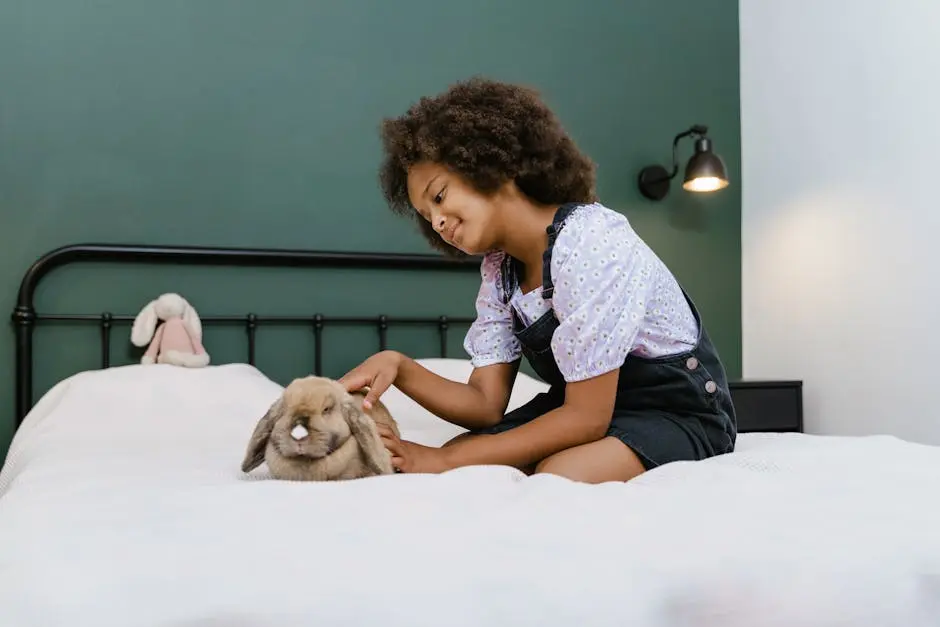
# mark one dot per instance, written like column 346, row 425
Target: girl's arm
column 479, row 403
column 583, row 417
column 493, row 349
column 476, row 404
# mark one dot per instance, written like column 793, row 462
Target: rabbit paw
column 146, row 360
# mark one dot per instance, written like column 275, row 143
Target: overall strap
column 548, row 288
column 510, row 266
column 507, row 273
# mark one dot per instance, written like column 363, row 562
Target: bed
column 122, row 503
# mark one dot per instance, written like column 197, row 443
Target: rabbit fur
column 178, row 340
column 336, row 439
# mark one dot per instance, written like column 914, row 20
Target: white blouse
column 613, row 296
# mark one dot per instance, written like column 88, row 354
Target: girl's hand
column 410, row 457
column 377, row 373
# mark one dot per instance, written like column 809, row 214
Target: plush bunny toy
column 178, row 341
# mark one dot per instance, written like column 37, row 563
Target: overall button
column 691, row 363
column 710, row 387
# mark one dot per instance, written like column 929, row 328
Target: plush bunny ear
column 191, row 320
column 254, row 455
column 373, row 451
column 144, row 325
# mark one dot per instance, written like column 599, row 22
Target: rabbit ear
column 144, row 325
column 191, row 320
column 374, row 454
column 259, row 438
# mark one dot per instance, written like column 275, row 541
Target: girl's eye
column 440, row 197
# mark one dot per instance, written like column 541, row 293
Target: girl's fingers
column 393, row 445
column 384, row 430
column 354, row 381
column 378, row 385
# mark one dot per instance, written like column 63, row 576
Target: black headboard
column 25, row 317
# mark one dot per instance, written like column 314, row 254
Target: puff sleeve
column 490, row 339
column 602, row 278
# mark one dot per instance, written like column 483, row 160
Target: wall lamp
column 705, row 171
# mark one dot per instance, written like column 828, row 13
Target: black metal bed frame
column 25, row 317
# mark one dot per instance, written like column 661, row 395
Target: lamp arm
column 697, row 129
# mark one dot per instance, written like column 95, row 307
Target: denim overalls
column 667, row 408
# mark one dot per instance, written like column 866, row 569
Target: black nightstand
column 768, row 405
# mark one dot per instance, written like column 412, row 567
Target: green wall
column 236, row 123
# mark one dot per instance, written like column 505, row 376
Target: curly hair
column 489, row 133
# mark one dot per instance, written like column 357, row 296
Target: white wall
column 840, row 112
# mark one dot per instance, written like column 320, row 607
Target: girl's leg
column 607, row 459
column 658, row 437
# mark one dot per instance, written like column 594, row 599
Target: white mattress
column 122, row 504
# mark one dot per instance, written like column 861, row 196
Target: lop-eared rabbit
column 317, row 431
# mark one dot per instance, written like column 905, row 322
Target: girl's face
column 463, row 217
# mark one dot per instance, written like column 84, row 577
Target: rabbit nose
column 300, row 430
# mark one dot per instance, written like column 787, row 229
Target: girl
column 486, row 169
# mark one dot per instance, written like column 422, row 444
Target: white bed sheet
column 121, row 503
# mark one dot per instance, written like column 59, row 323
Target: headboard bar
column 25, row 316
column 257, row 257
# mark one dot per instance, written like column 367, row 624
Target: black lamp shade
column 705, row 171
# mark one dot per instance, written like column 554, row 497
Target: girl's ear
column 191, row 320
column 144, row 325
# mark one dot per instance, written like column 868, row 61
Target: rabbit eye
column 328, row 409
